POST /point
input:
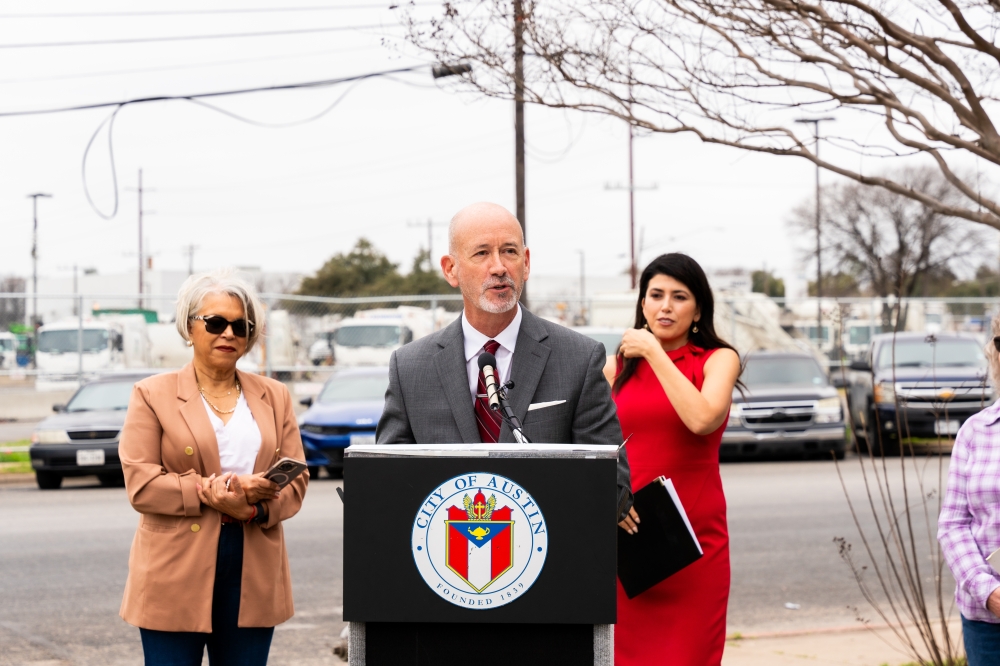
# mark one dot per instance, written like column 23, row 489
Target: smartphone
column 285, row 471
column 994, row 560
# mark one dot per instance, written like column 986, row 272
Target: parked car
column 926, row 384
column 345, row 412
column 789, row 408
column 610, row 336
column 82, row 437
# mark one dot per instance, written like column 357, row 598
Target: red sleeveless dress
column 681, row 621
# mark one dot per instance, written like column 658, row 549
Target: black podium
column 484, row 554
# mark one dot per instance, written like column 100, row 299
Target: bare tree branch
column 733, row 73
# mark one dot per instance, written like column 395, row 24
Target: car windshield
column 376, row 335
column 100, row 396
column 352, row 388
column 6, row 344
column 61, row 342
column 783, row 372
column 927, row 354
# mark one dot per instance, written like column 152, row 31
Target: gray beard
column 494, row 308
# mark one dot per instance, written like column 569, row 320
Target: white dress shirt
column 474, row 343
column 239, row 440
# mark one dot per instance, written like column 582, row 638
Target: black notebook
column 664, row 544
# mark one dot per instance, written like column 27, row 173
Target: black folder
column 664, row 544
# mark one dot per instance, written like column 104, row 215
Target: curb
column 738, row 636
column 20, row 478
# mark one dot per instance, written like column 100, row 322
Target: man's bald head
column 488, row 262
column 477, row 216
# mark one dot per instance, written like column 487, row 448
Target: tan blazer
column 166, row 446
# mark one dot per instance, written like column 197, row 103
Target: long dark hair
column 687, row 271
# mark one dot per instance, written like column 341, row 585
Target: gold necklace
column 227, row 393
column 239, row 392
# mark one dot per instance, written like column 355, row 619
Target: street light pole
column 819, row 257
column 519, row 124
column 34, row 257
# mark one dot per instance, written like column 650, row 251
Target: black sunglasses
column 996, row 342
column 217, row 325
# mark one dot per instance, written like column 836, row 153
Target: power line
column 180, row 38
column 221, row 93
column 194, row 65
column 202, row 12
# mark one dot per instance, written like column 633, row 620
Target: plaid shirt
column 969, row 524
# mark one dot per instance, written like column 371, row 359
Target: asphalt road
column 65, row 557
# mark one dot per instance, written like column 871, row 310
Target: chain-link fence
column 67, row 337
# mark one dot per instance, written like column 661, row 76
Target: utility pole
column 142, row 259
column 142, row 255
column 189, row 251
column 631, row 187
column 519, row 124
column 34, row 257
column 430, row 238
column 819, row 248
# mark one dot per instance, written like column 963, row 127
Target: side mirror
column 861, row 366
column 307, row 402
column 58, row 408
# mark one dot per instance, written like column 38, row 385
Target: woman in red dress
column 673, row 382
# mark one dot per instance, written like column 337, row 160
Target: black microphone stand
column 507, row 414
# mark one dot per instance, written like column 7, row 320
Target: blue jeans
column 228, row 644
column 982, row 642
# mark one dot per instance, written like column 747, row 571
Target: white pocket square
column 542, row 405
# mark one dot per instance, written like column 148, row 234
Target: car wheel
column 839, row 454
column 112, row 480
column 335, row 472
column 48, row 480
column 313, row 472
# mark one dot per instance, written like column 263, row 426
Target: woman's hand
column 993, row 602
column 258, row 489
column 639, row 342
column 631, row 522
column 225, row 494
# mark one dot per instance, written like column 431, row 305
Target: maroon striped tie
column 487, row 420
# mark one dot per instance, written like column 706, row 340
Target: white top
column 239, row 440
column 474, row 343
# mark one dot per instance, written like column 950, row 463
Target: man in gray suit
column 560, row 394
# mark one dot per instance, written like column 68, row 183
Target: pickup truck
column 788, row 408
column 916, row 385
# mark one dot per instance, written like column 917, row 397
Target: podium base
column 432, row 644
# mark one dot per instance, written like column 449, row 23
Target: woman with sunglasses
column 969, row 524
column 208, row 566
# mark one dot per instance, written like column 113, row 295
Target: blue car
column 345, row 412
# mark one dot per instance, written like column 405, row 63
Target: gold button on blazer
column 167, row 445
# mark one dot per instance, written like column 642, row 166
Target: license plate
column 90, row 457
column 946, row 427
column 362, row 439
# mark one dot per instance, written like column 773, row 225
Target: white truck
column 8, row 351
column 369, row 341
column 110, row 344
column 370, row 337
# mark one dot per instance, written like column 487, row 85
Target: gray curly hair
column 222, row 281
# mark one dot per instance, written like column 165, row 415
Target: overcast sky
column 393, row 153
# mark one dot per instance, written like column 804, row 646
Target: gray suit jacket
column 428, row 399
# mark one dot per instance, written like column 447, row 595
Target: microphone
column 487, row 365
